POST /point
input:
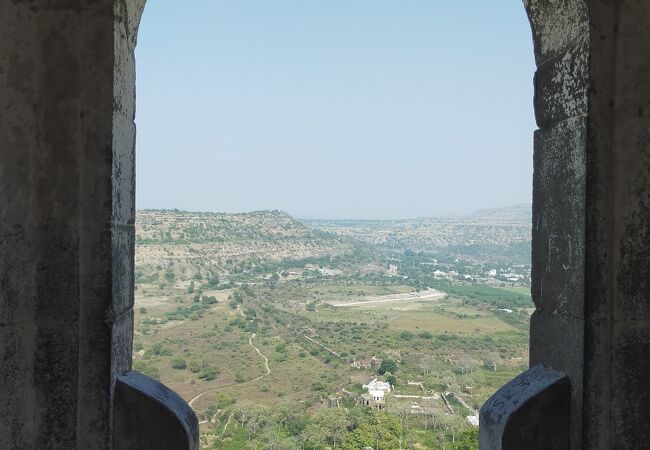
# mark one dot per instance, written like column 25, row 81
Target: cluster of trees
column 192, row 312
column 347, row 428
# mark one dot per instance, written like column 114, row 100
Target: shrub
column 179, row 363
column 169, row 275
column 158, row 349
column 209, row 374
column 387, row 365
column 406, row 335
column 195, row 367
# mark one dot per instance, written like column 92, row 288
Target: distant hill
column 491, row 232
column 236, row 243
column 514, row 213
column 228, row 242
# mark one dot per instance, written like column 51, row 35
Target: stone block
column 561, row 85
column 558, row 249
column 557, row 25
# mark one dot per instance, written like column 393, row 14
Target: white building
column 377, row 389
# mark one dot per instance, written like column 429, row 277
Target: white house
column 377, row 389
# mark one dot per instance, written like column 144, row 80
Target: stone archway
column 67, row 105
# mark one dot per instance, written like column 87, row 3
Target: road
column 397, row 298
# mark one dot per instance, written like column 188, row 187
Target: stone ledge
column 149, row 416
column 530, row 412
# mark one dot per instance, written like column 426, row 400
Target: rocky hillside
column 227, row 242
column 490, row 230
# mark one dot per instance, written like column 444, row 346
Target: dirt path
column 213, row 389
column 266, row 360
column 321, row 345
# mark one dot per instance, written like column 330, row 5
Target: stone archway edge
column 532, row 411
column 150, row 416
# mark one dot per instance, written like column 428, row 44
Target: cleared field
column 396, row 298
column 517, row 290
column 419, row 316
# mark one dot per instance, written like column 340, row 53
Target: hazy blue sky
column 334, row 108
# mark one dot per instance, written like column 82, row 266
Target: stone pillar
column 591, row 214
column 67, row 137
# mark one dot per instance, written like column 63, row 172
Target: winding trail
column 266, row 360
column 213, row 389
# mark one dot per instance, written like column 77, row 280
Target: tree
column 313, row 436
column 466, row 440
column 392, row 379
column 387, row 365
column 335, row 422
column 190, row 288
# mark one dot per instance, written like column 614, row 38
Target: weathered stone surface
column 561, row 86
column 557, row 25
column 530, row 412
column 149, row 416
column 591, row 213
column 17, row 344
column 66, row 219
column 558, row 217
column 630, row 401
column 557, row 341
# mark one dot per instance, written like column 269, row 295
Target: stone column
column 67, row 135
column 591, row 215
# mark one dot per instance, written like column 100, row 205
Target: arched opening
column 357, row 120
column 66, row 235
